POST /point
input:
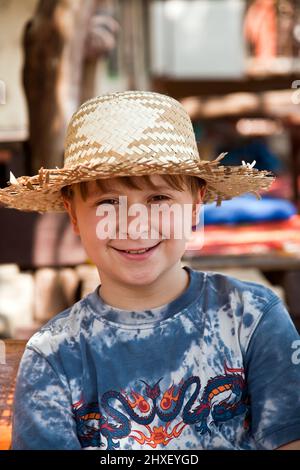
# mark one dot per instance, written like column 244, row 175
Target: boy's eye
column 108, row 201
column 160, row 197
column 156, row 198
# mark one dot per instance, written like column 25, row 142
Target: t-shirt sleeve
column 273, row 377
column 42, row 414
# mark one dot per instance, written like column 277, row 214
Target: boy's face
column 108, row 229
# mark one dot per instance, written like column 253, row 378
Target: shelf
column 277, row 66
column 263, row 262
column 180, row 88
column 274, row 103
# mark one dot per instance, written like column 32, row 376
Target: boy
column 158, row 356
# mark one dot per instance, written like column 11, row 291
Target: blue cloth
column 247, row 209
column 216, row 368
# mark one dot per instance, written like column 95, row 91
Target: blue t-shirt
column 217, row 368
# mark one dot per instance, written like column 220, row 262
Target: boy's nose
column 138, row 227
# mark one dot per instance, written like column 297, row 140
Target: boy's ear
column 198, row 202
column 72, row 215
column 202, row 192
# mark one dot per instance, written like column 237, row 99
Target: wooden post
column 54, row 47
column 295, row 164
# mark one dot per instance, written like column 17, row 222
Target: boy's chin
column 140, row 276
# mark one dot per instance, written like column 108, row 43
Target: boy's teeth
column 137, row 251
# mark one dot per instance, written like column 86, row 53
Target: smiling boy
column 143, row 280
column 158, row 356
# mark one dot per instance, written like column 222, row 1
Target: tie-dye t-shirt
column 214, row 369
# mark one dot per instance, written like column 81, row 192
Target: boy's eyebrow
column 98, row 193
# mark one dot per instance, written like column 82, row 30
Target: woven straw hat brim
column 42, row 192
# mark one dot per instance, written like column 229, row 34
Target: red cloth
column 281, row 236
column 261, row 28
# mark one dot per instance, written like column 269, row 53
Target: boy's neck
column 138, row 298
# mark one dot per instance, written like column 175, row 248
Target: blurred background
column 235, row 67
column 233, row 64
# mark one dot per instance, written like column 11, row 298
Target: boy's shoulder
column 240, row 307
column 65, row 326
column 230, row 286
column 243, row 302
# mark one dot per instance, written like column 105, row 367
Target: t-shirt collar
column 149, row 316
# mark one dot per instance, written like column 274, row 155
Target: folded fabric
column 259, row 238
column 247, row 209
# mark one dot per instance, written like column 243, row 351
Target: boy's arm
column 273, row 379
column 295, row 445
column 42, row 417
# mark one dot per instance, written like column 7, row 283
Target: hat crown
column 132, row 127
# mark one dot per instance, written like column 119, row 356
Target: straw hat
column 130, row 133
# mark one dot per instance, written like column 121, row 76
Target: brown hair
column 178, row 182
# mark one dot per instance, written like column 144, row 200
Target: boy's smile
column 139, row 253
column 136, row 271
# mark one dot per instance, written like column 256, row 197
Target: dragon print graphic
column 223, row 398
